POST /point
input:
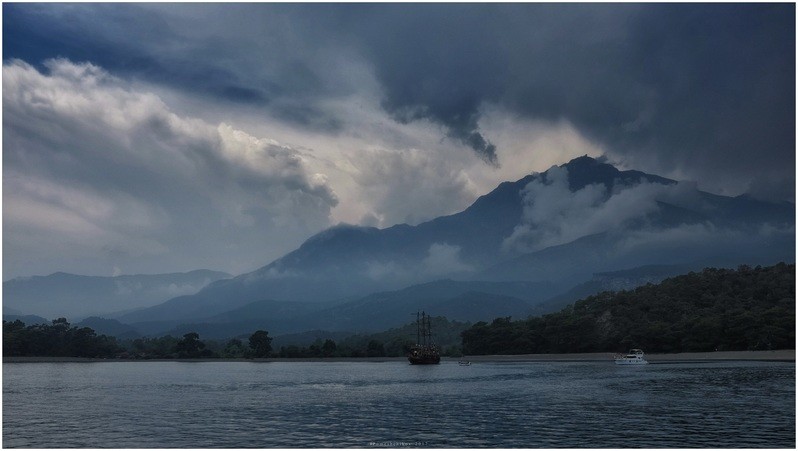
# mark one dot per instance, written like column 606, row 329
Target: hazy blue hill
column 232, row 316
column 27, row 319
column 278, row 317
column 266, row 309
column 444, row 289
column 744, row 210
column 154, row 328
column 578, row 260
column 70, row 295
column 109, row 327
column 462, row 301
column 458, row 300
column 181, row 308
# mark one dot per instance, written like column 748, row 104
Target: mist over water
column 366, row 404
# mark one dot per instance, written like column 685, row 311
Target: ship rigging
column 425, row 351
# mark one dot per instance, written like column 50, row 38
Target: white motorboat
column 634, row 357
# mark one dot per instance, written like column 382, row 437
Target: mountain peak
column 338, row 232
column 585, row 160
column 585, row 170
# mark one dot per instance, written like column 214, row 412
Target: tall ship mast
column 425, row 351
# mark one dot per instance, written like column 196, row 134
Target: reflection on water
column 363, row 404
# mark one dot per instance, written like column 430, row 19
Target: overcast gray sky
column 145, row 138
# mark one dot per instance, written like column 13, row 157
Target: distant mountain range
column 74, row 296
column 526, row 247
column 456, row 300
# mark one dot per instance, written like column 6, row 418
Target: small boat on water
column 425, row 351
column 633, row 357
column 464, row 363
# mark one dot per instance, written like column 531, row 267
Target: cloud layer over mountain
column 553, row 214
column 165, row 137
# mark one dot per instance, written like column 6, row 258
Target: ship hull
column 424, row 360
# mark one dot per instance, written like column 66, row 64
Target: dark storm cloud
column 689, row 86
column 707, row 91
column 244, row 63
column 437, row 63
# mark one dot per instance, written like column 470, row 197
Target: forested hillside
column 715, row 309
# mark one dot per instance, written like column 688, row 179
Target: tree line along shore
column 779, row 355
column 747, row 309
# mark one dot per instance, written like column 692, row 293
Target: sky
column 150, row 138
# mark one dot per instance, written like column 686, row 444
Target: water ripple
column 245, row 405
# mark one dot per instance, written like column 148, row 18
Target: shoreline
column 784, row 355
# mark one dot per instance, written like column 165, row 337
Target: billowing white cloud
column 553, row 214
column 444, row 259
column 409, row 186
column 100, row 176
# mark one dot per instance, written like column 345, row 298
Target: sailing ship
column 425, row 351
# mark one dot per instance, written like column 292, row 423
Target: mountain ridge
column 353, row 261
column 560, row 226
column 58, row 294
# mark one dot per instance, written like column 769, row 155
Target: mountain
column 683, row 245
column 456, row 300
column 72, row 296
column 372, row 316
column 29, row 320
column 460, row 301
column 278, row 317
column 559, row 227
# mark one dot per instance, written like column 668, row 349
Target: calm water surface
column 362, row 404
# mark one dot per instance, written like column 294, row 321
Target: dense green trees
column 58, row 339
column 394, row 342
column 375, row 349
column 234, row 349
column 716, row 309
column 261, row 343
column 328, row 348
column 190, row 347
column 152, row 348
